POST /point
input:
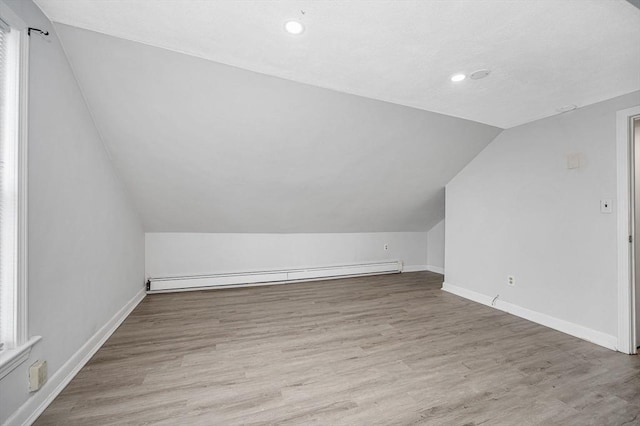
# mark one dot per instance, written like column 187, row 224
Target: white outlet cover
column 606, row 206
column 37, row 375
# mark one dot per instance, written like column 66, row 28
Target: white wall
column 517, row 210
column 435, row 248
column 86, row 244
column 171, row 254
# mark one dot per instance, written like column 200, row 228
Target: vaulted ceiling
column 219, row 121
column 208, row 147
column 543, row 55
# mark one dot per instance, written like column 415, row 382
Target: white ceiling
column 205, row 147
column 543, row 54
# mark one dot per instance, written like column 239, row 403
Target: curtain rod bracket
column 44, row 33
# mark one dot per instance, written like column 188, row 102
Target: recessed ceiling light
column 294, row 27
column 458, row 77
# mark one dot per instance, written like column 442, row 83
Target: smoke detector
column 477, row 75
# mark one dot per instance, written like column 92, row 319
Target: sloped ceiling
column 205, row 147
column 543, row 54
column 219, row 121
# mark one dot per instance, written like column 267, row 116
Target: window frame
column 18, row 349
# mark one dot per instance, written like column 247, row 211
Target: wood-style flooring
column 385, row 350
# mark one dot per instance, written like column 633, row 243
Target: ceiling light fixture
column 458, row 77
column 294, row 27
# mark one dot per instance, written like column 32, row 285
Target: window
column 7, row 197
column 14, row 345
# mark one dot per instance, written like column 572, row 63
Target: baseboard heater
column 239, row 279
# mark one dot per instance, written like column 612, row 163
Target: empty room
column 319, row 212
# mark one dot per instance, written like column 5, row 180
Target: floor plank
column 391, row 349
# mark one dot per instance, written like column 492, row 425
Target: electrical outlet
column 511, row 281
column 386, row 247
column 37, row 375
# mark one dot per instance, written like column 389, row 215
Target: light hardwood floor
column 391, row 349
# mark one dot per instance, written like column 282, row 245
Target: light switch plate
column 573, row 161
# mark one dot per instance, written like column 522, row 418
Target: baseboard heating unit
column 240, row 279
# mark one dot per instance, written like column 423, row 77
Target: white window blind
column 4, row 314
column 8, row 184
column 14, row 71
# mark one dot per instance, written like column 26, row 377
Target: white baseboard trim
column 415, row 268
column 436, row 269
column 39, row 401
column 588, row 334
